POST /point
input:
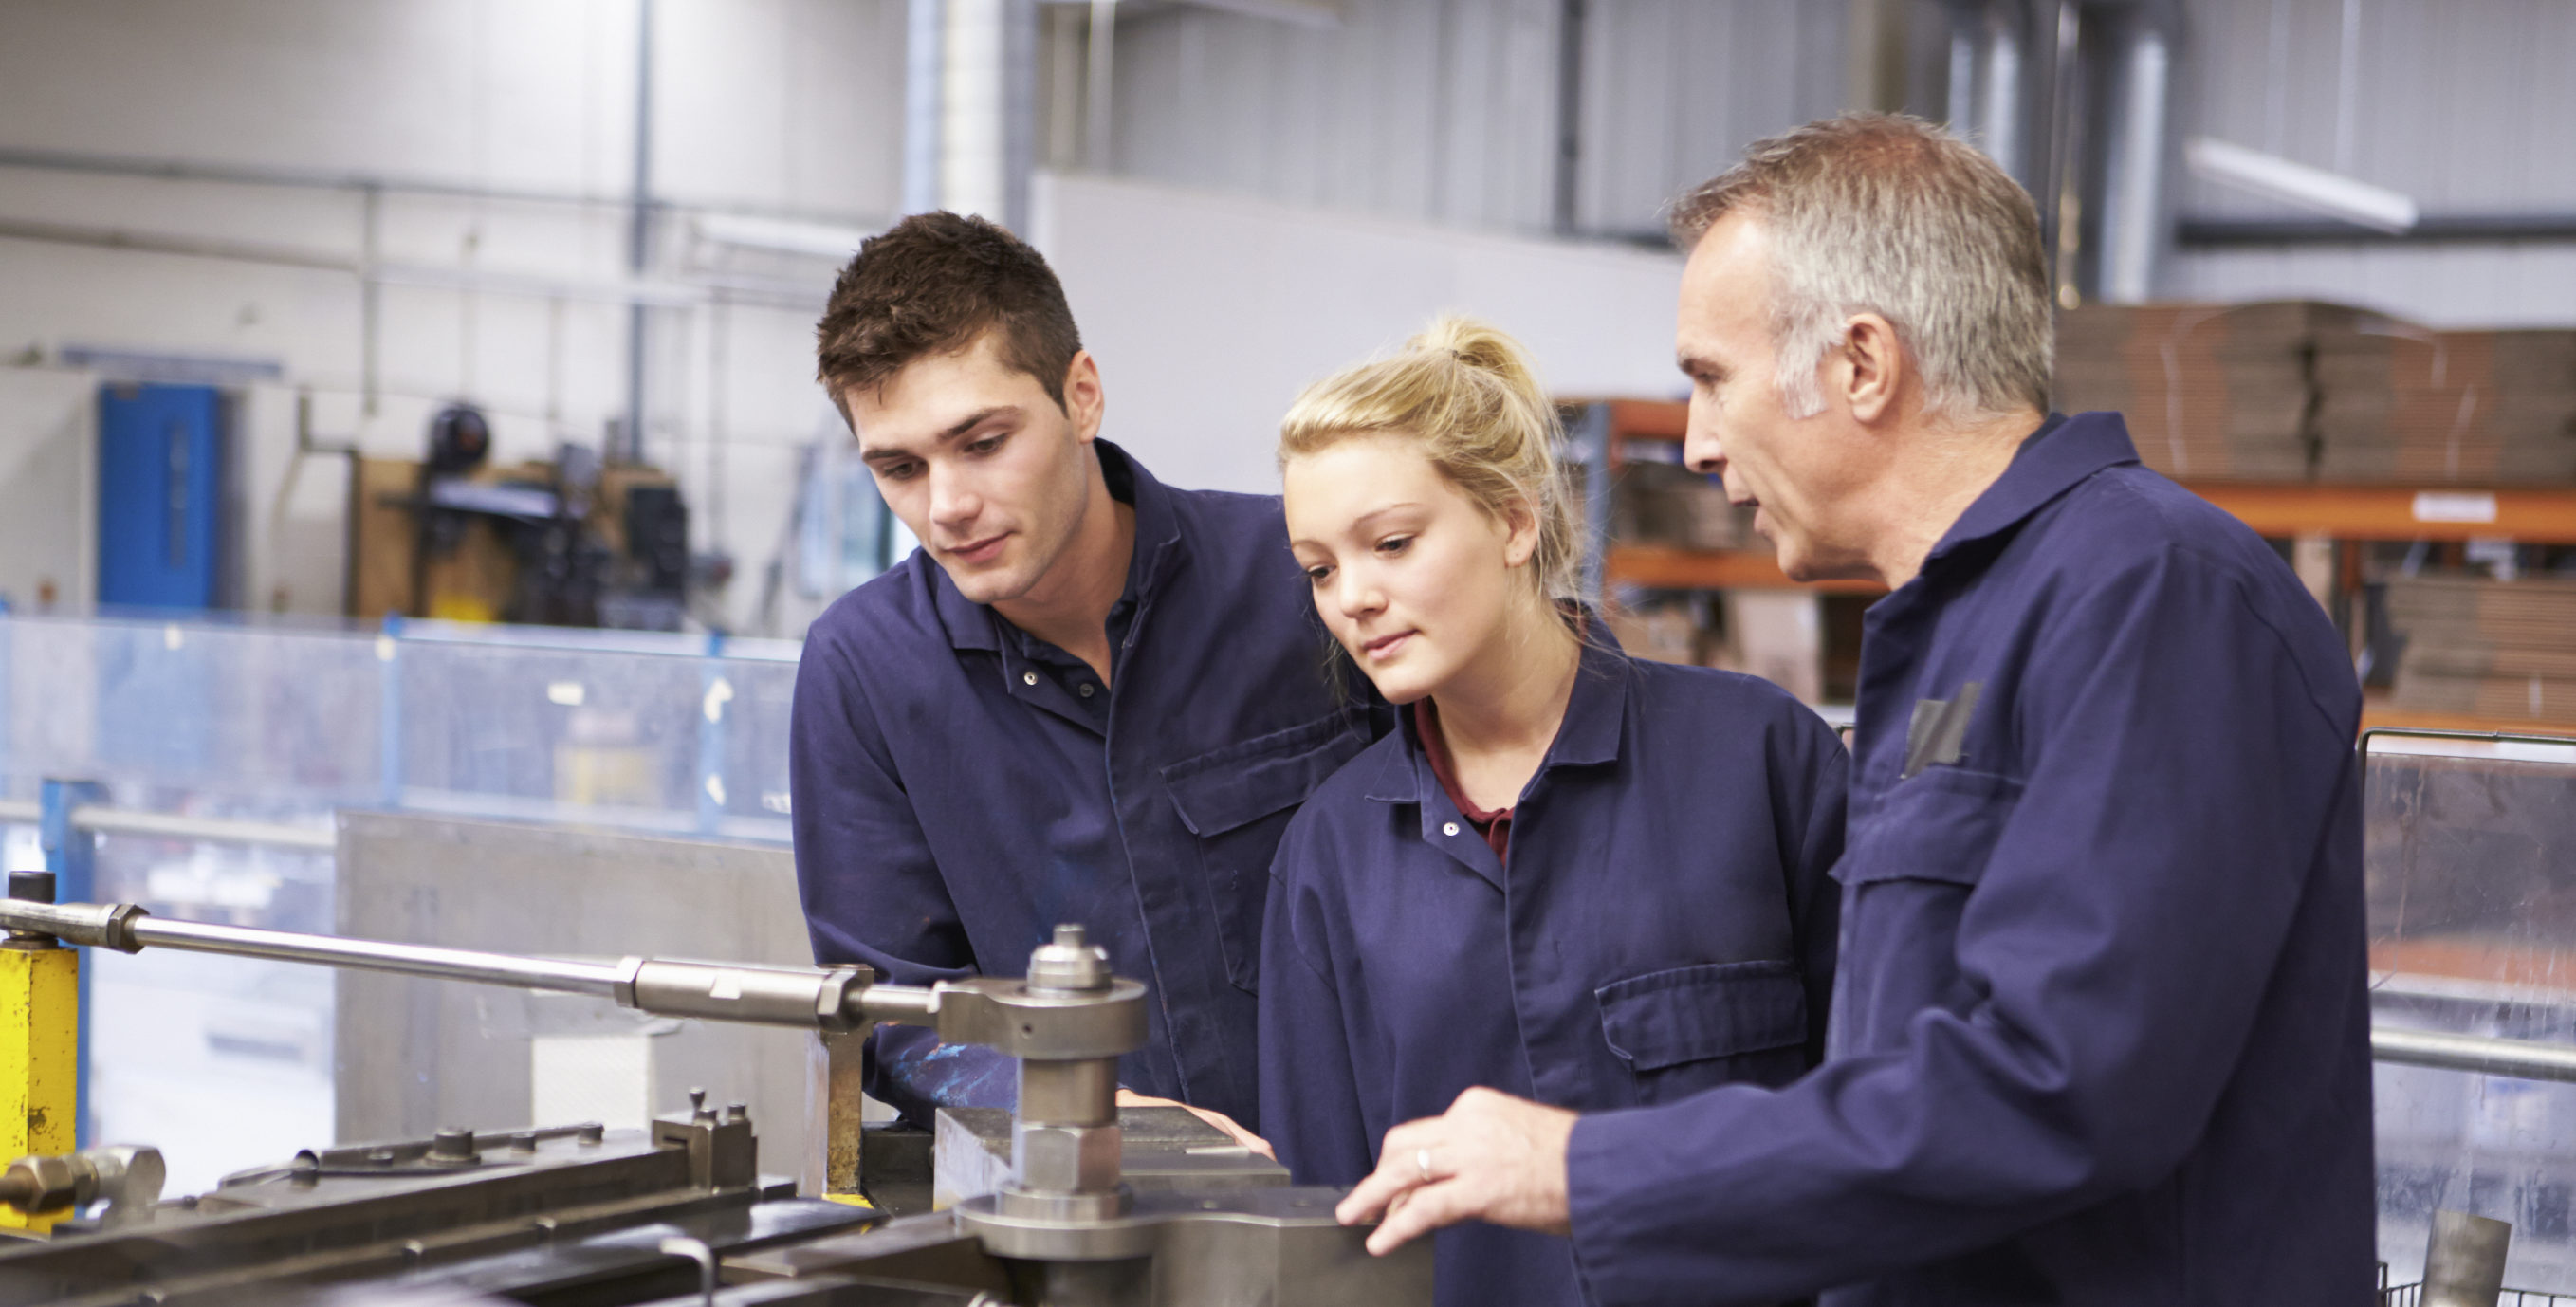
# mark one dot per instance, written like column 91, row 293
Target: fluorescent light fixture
column 814, row 238
column 2274, row 177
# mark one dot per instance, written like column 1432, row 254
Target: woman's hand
column 1130, row 1098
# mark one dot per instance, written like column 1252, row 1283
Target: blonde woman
column 1571, row 876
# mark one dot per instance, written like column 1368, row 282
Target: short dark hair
column 933, row 283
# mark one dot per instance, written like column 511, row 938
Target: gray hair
column 1886, row 214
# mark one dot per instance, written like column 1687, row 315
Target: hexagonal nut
column 130, row 1175
column 57, row 1181
column 1065, row 1158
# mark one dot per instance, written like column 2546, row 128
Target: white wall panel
column 1446, row 110
column 1209, row 312
column 1674, row 89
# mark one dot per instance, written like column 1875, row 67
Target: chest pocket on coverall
column 1692, row 1028
column 1238, row 800
column 1906, row 881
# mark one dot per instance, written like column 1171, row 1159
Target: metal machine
column 580, row 1214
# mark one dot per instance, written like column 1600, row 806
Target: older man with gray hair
column 2100, row 1032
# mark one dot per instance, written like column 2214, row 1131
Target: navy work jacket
column 954, row 799
column 1664, row 922
column 2100, row 1034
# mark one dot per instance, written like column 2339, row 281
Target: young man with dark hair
column 1088, row 697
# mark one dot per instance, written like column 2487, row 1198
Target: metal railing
column 2524, row 1059
column 102, row 820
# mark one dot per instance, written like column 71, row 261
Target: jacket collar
column 2062, row 452
column 1596, row 716
column 1159, row 549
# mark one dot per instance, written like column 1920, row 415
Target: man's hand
column 1491, row 1157
column 1130, row 1098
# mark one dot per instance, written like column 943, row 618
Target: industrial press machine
column 573, row 1213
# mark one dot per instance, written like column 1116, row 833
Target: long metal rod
column 2521, row 1059
column 420, row 960
column 838, row 998
column 2518, row 1058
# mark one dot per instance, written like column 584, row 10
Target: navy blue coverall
column 960, row 787
column 1664, row 922
column 2100, row 1034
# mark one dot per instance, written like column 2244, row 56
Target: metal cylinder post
column 1065, row 1139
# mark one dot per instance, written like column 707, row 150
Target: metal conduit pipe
column 988, row 50
column 735, row 289
column 1962, row 100
column 235, row 174
column 2133, row 209
column 2003, row 102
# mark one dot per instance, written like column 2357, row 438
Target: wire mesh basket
column 2412, row 1295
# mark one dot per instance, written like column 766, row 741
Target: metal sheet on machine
column 415, row 1054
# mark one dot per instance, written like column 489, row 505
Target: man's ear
column 1873, row 370
column 1084, row 401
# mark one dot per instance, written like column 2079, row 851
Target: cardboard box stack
column 2210, row 391
column 2400, row 403
column 1668, row 504
column 2502, row 649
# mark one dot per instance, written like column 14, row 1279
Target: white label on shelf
column 2454, row 506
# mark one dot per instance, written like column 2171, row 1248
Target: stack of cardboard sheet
column 2491, row 648
column 2211, row 391
column 1667, row 504
column 2400, row 403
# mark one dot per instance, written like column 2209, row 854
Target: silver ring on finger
column 1422, row 1163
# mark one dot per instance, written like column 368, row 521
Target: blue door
column 160, row 490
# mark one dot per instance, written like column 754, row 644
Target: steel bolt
column 454, row 1144
column 1069, row 964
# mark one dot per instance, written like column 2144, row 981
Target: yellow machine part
column 39, row 1051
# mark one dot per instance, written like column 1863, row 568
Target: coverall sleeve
column 872, row 890
column 1810, row 783
column 1310, row 1103
column 2111, row 957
